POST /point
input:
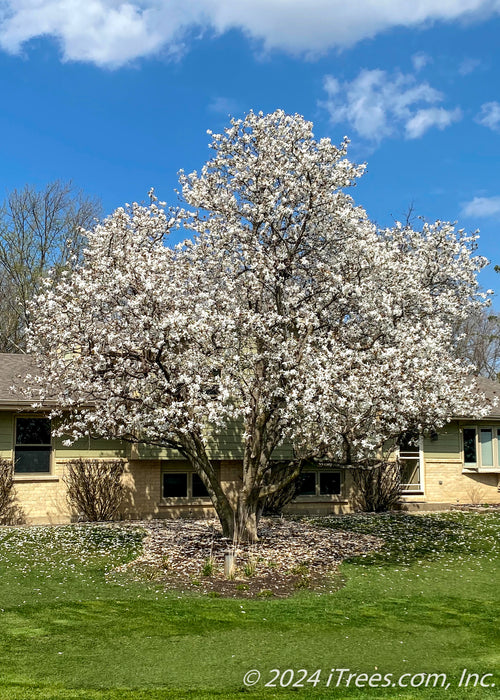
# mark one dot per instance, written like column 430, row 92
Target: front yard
column 77, row 622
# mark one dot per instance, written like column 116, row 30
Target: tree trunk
column 239, row 523
column 239, row 520
column 256, row 464
column 193, row 448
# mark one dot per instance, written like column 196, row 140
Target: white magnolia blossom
column 286, row 311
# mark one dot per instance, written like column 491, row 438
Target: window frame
column 317, row 495
column 188, row 498
column 15, row 445
column 477, row 466
column 416, row 489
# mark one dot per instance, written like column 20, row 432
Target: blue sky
column 118, row 96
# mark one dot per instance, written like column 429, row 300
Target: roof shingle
column 12, row 367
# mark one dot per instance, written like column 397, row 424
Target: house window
column 470, row 451
column 198, row 488
column 481, row 447
column 175, row 485
column 486, row 440
column 318, row 483
column 410, row 460
column 183, row 485
column 33, row 448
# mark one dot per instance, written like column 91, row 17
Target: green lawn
column 427, row 603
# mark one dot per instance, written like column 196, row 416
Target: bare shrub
column 10, row 511
column 377, row 488
column 276, row 502
column 475, row 494
column 95, row 487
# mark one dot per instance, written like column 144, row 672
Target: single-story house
column 460, row 464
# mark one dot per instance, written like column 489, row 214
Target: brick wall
column 43, row 498
column 142, row 481
column 445, row 482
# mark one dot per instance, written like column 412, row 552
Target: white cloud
column 376, row 105
column 468, row 66
column 112, row 32
column 420, row 60
column 105, row 33
column 490, row 115
column 223, row 105
column 482, row 207
column 425, row 119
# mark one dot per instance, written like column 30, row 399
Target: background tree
column 478, row 341
column 287, row 312
column 39, row 230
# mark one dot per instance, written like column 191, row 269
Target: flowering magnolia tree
column 286, row 310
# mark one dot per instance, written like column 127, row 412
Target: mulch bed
column 188, row 555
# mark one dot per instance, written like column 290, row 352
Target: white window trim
column 477, row 467
column 413, row 453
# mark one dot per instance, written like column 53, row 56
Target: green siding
column 152, row 452
column 284, row 451
column 447, row 445
column 87, row 447
column 224, row 444
column 228, row 444
column 6, row 434
column 81, row 448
